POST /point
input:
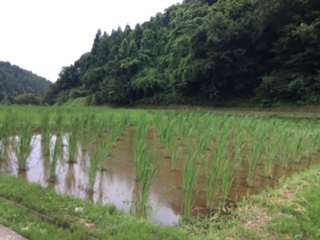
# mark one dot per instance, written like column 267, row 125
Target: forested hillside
column 15, row 81
column 217, row 52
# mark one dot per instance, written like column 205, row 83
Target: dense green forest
column 213, row 52
column 15, row 81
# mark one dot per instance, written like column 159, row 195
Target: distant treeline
column 17, row 84
column 225, row 52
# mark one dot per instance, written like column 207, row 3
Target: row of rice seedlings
column 227, row 178
column 165, row 133
column 106, row 147
column 257, row 143
column 271, row 151
column 297, row 146
column 285, row 148
column 8, row 127
column 73, row 137
column 205, row 141
column 54, row 153
column 46, row 132
column 213, row 169
column 99, row 128
column 189, row 183
column 311, row 143
column 59, row 120
column 85, row 130
column 175, row 154
column 95, row 166
column 146, row 165
column 148, row 173
column 24, row 145
column 140, row 150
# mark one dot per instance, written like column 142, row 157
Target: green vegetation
column 53, row 157
column 220, row 53
column 190, row 178
column 24, row 145
column 20, row 86
column 211, row 155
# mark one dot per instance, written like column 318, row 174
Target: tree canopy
column 206, row 52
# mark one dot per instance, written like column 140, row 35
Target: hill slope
column 261, row 52
column 15, row 81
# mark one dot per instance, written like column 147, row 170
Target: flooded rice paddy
column 117, row 185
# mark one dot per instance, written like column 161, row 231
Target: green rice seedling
column 140, row 150
column 85, row 125
column 239, row 147
column 53, row 158
column 212, row 176
column 203, row 144
column 24, row 145
column 8, row 127
column 181, row 128
column 106, row 148
column 73, row 141
column 94, row 169
column 286, row 148
column 189, row 184
column 98, row 128
column 257, row 142
column 59, row 121
column 85, row 137
column 175, row 154
column 165, row 134
column 213, row 170
column 46, row 132
column 227, row 178
column 148, row 172
column 271, row 154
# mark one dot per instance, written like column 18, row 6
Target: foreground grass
column 63, row 217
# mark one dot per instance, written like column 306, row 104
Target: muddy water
column 117, row 185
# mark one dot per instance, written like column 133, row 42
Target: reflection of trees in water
column 45, row 162
column 8, row 163
column 101, row 189
column 70, row 181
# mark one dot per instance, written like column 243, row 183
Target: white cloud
column 43, row 36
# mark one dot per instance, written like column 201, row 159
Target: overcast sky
column 44, row 35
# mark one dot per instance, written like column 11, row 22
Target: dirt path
column 7, row 234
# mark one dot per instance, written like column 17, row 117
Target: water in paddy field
column 118, row 186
